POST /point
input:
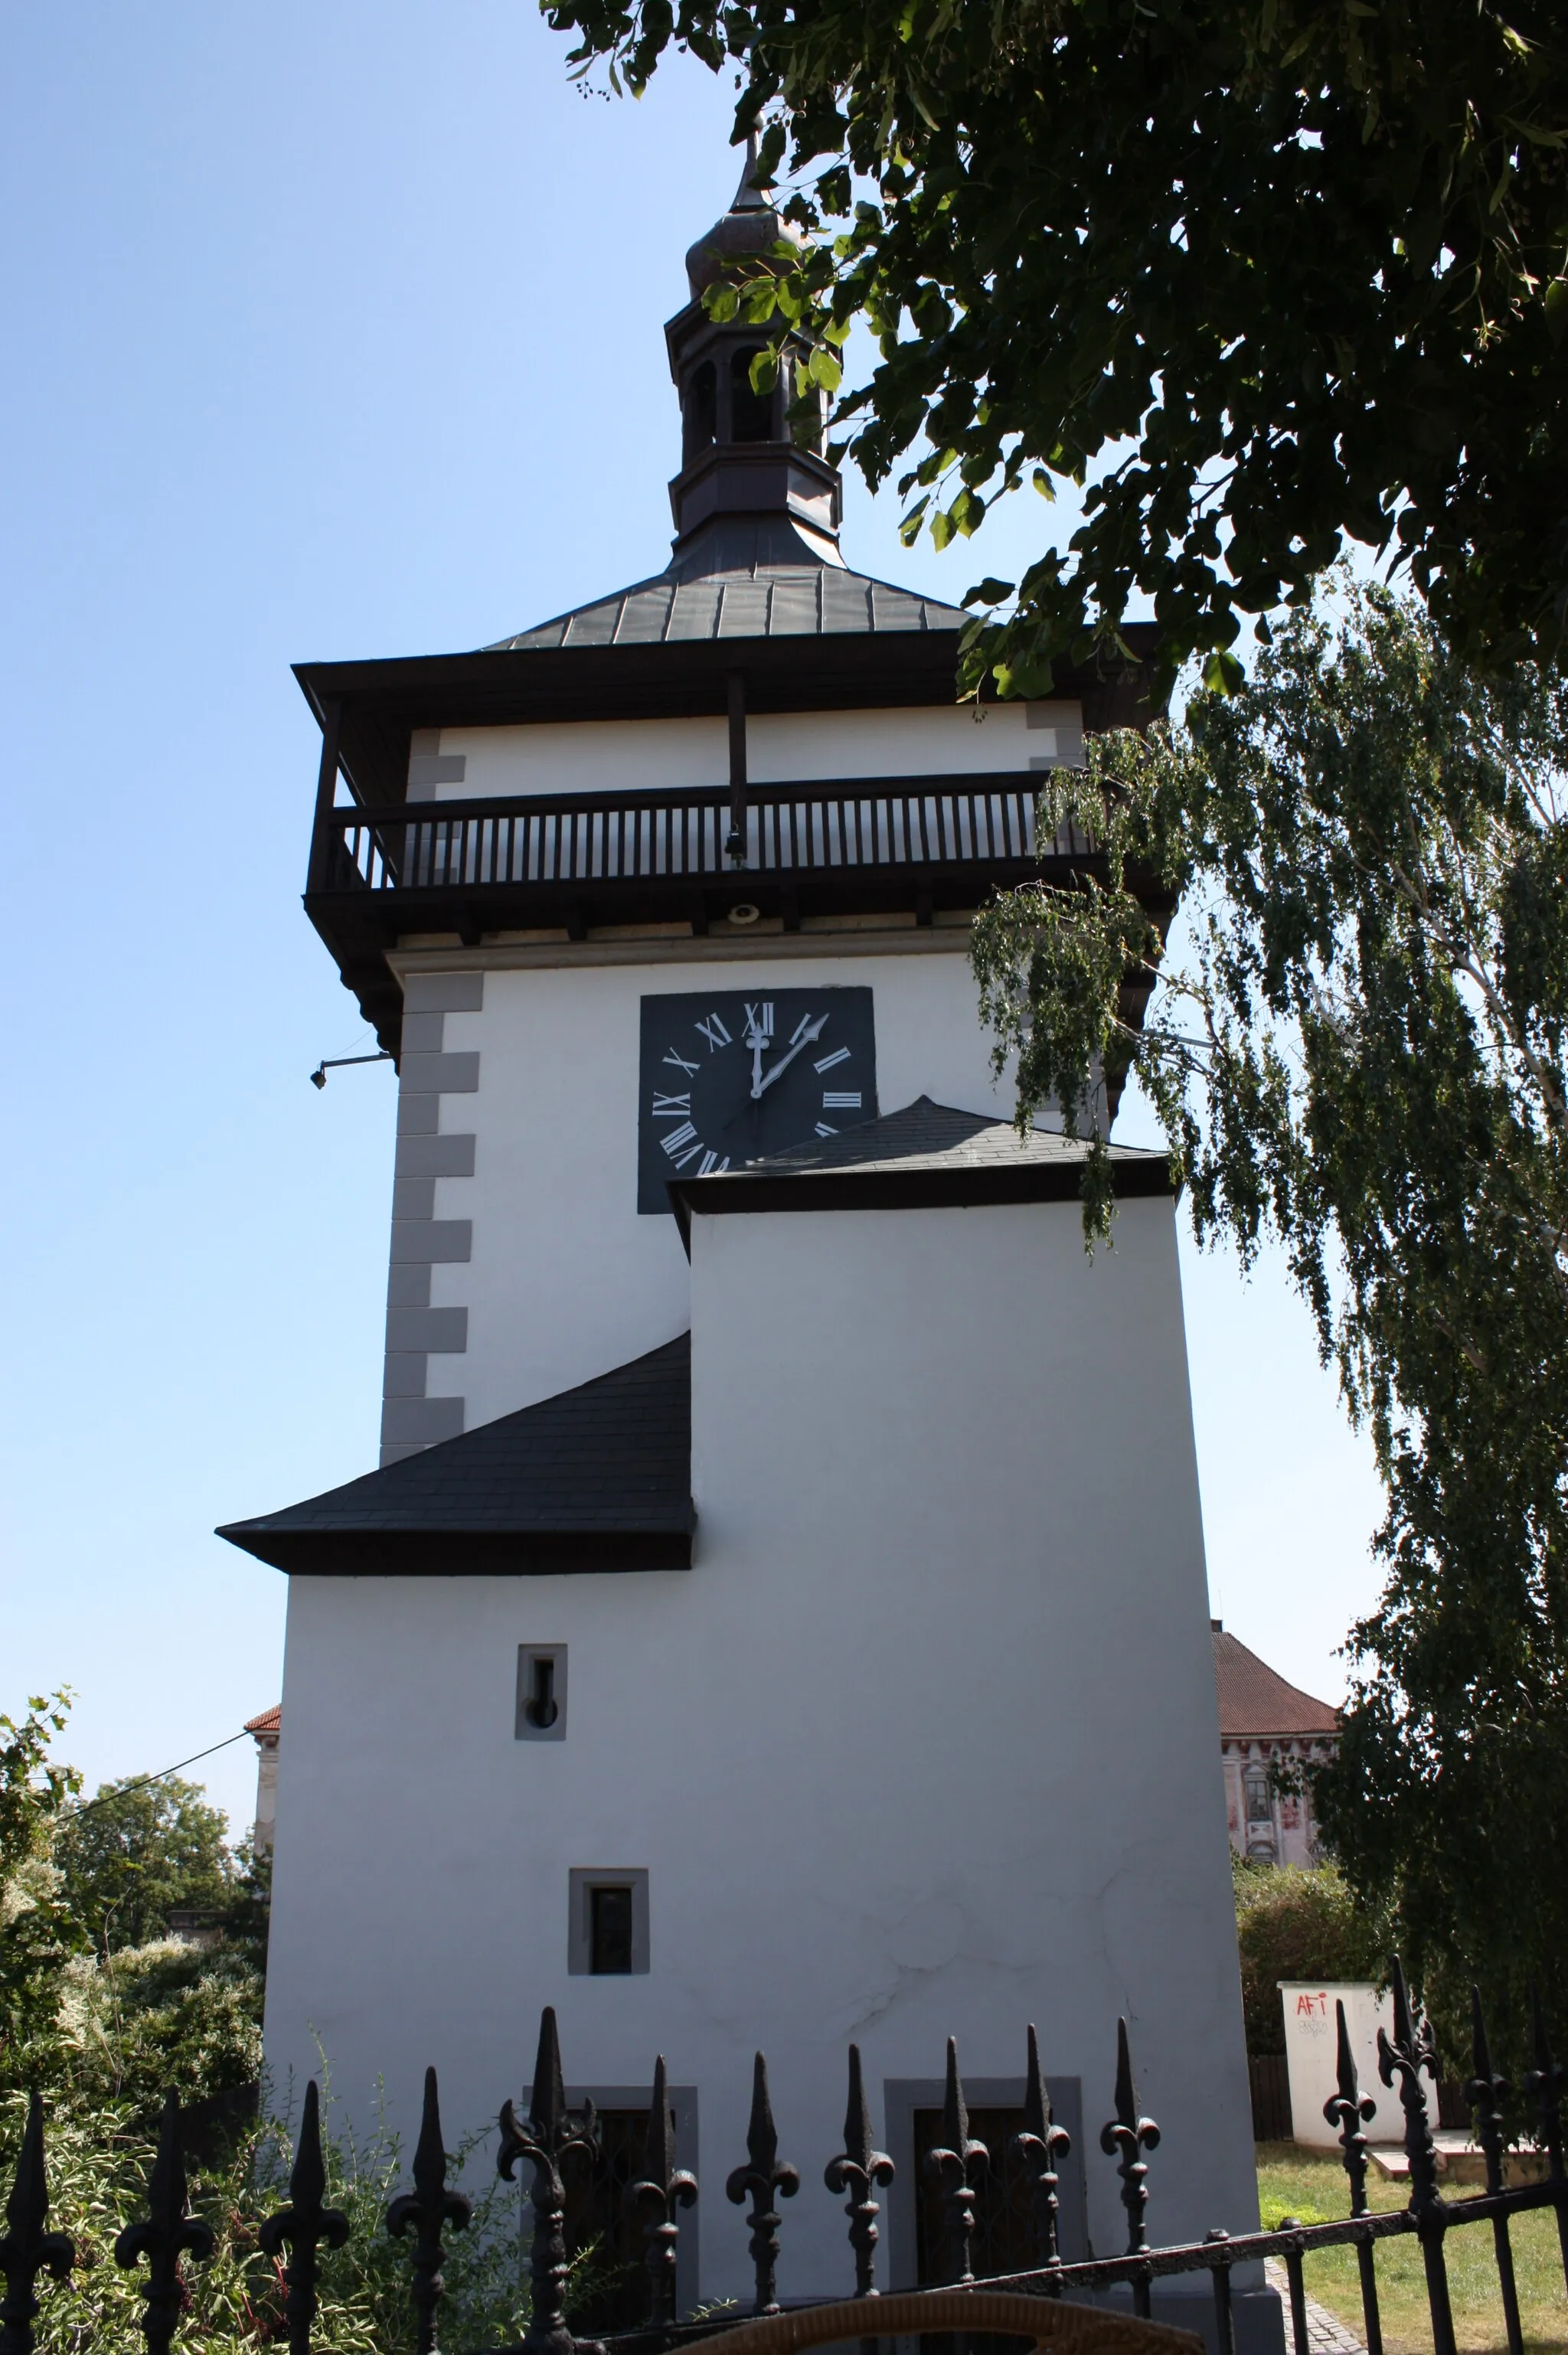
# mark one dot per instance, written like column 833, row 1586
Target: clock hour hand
column 808, row 1037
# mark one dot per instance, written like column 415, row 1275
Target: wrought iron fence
column 553, row 2136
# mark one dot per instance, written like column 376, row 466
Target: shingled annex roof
column 596, row 1478
column 929, row 1156
column 797, row 600
column 1255, row 1702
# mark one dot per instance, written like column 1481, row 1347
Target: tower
column 779, row 1615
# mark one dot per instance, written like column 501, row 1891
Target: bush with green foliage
column 1293, row 1924
column 164, row 2014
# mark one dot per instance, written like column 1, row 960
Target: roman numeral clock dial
column 730, row 1076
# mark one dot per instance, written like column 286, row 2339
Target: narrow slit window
column 701, row 419
column 610, row 1929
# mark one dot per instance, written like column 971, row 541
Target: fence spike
column 765, row 2177
column 1038, row 2147
column 545, row 2138
column 1124, row 2137
column 952, row 2163
column 426, row 2211
column 303, row 2225
column 1487, row 2094
column 27, row 2248
column 1405, row 2054
column 859, row 2170
column 1548, row 2082
column 664, row 2188
column 166, row 2231
column 1350, row 2109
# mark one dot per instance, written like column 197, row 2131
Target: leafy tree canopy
column 1267, row 273
column 37, row 1930
column 139, row 1851
column 1359, row 1043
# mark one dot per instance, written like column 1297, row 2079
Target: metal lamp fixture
column 336, row 1063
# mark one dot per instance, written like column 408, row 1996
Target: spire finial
column 748, row 198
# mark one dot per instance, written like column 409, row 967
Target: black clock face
column 729, row 1075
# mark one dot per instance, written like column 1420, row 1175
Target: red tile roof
column 269, row 1722
column 1254, row 1701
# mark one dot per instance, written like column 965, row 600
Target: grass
column 1296, row 2182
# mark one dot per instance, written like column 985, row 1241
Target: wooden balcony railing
column 562, row 840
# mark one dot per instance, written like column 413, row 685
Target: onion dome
column 751, row 226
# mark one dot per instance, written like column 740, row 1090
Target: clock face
column 729, row 1076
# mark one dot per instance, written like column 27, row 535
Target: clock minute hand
column 809, row 1037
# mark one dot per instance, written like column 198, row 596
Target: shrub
column 1293, row 1924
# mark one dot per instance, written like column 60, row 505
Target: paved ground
column 1325, row 2334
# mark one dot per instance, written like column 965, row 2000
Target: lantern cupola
column 755, row 487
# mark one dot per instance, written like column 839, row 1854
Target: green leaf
column 721, row 302
column 940, row 529
column 988, row 591
column 1025, row 677
column 1222, row 674
column 1043, row 485
column 764, row 372
column 966, row 511
column 1557, row 308
column 825, row 370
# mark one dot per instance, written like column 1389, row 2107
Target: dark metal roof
column 596, row 1478
column 788, row 601
column 929, row 1156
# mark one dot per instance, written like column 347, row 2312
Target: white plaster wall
column 925, row 1742
column 598, row 754
column 566, row 1279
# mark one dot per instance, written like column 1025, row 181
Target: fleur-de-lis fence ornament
column 1124, row 2139
column 1410, row 2050
column 663, row 2187
column 1039, row 2147
column 303, row 2225
column 426, row 2211
column 167, row 2232
column 952, row 2161
column 764, row 2178
column 549, row 2135
column 861, row 2170
column 1548, row 2082
column 26, row 2246
column 1488, row 2093
column 1405, row 2055
column 1350, row 2110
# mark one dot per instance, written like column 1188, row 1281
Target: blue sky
column 336, row 331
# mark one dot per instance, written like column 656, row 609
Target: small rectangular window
column 608, row 1929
